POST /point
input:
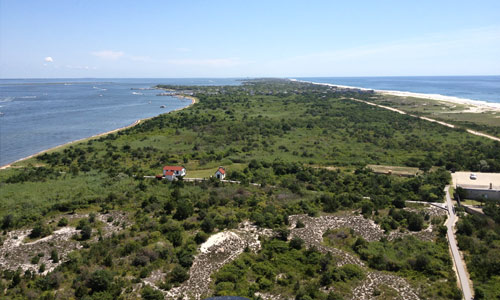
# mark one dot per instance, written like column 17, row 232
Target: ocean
column 38, row 114
column 481, row 88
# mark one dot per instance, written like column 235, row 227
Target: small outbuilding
column 169, row 175
column 220, row 173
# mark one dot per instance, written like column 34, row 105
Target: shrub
column 54, row 256
column 178, row 274
column 100, row 281
column 200, row 237
column 86, row 232
column 62, row 222
column 296, row 243
column 415, row 222
column 148, row 293
column 40, row 230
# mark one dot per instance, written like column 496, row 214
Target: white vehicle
column 473, row 176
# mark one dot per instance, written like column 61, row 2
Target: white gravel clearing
column 216, row 240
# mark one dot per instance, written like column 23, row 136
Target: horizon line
column 248, row 77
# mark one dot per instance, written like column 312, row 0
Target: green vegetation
column 409, row 257
column 287, row 269
column 457, row 114
column 272, row 132
column 479, row 238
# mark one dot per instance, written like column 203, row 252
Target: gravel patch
column 16, row 253
column 220, row 249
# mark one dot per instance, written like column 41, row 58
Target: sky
column 174, row 39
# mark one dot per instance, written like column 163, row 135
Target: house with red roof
column 220, row 173
column 175, row 171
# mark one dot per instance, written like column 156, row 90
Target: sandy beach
column 193, row 101
column 475, row 106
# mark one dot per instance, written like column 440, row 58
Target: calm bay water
column 484, row 88
column 37, row 114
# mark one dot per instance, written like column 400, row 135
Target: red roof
column 169, row 173
column 173, row 168
column 222, row 170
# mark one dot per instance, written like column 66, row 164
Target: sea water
column 482, row 88
column 38, row 114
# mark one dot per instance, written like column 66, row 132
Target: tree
column 200, row 237
column 54, row 256
column 40, row 230
column 184, row 210
column 296, row 243
column 422, row 262
column 366, row 208
column 7, row 221
column 100, row 281
column 178, row 274
column 41, row 269
column 86, row 232
column 399, row 202
column 282, row 234
column 330, row 204
column 62, row 222
column 461, row 192
column 415, row 222
column 208, row 224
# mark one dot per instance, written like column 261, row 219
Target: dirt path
column 494, row 138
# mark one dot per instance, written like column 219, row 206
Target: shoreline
column 9, row 165
column 473, row 108
column 477, row 106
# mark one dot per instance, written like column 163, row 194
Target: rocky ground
column 16, row 251
column 223, row 247
column 373, row 282
column 220, row 249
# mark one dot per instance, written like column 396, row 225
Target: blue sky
column 89, row 38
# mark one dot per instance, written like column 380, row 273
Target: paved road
column 459, row 263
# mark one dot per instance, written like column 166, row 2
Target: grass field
column 395, row 170
column 210, row 172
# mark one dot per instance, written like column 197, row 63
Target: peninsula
column 284, row 190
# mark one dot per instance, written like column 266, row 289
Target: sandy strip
column 193, row 101
column 477, row 106
column 428, row 119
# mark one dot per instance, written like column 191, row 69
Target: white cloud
column 108, row 54
column 80, row 67
column 49, row 59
